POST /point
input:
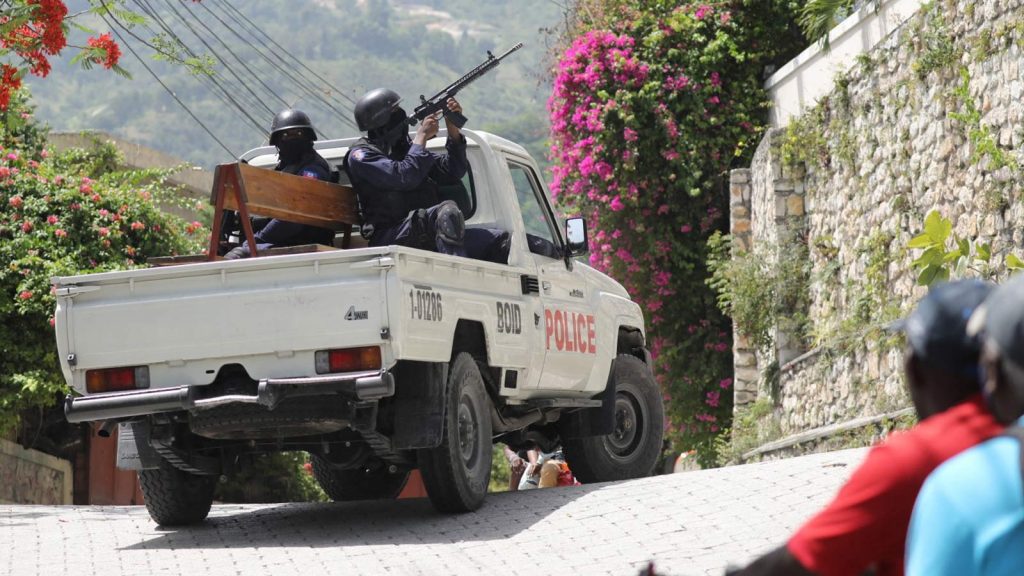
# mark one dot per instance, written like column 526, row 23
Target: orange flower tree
column 32, row 31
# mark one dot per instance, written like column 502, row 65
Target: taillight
column 347, row 360
column 117, row 379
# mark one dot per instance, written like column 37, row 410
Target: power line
column 253, row 28
column 125, row 43
column 299, row 80
column 230, row 69
column 217, row 88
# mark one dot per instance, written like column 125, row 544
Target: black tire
column 457, row 472
column 174, row 497
column 359, row 483
column 633, row 448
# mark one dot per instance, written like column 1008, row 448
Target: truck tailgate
column 197, row 317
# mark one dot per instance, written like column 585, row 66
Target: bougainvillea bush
column 651, row 106
column 65, row 215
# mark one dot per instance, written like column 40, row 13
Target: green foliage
column 274, row 477
column 945, row 255
column 500, row 472
column 57, row 220
column 653, row 103
column 936, row 42
column 753, row 426
column 983, row 142
column 819, row 17
column 760, row 290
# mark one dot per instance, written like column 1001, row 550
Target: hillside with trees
column 318, row 55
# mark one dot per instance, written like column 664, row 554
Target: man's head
column 291, row 125
column 941, row 358
column 378, row 114
column 1000, row 323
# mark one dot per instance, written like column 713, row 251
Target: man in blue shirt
column 969, row 515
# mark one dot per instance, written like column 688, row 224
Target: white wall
column 803, row 80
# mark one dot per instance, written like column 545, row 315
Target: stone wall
column 931, row 119
column 31, row 477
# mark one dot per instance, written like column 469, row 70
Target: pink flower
column 16, row 201
column 12, row 156
column 702, row 11
column 712, row 398
column 26, row 226
column 44, row 153
column 616, row 204
column 52, row 321
column 104, row 231
column 138, row 225
column 25, row 294
column 725, row 383
column 685, row 228
column 725, row 17
column 663, row 209
column 60, row 233
column 51, row 219
column 95, row 198
column 630, row 135
column 85, row 189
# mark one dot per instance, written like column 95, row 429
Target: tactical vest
column 385, row 208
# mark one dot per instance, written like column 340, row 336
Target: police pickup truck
column 375, row 361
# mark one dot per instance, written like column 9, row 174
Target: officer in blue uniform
column 397, row 180
column 293, row 135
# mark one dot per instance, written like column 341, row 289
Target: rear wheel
column 632, row 449
column 364, row 483
column 174, row 497
column 457, row 472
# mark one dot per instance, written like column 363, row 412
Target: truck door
column 565, row 324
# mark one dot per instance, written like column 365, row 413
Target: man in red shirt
column 865, row 527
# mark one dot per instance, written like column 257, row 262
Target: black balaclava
column 292, row 150
column 393, row 137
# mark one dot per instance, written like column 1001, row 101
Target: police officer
column 396, row 180
column 293, row 135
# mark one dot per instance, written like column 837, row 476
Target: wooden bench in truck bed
column 265, row 192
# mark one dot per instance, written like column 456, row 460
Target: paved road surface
column 690, row 523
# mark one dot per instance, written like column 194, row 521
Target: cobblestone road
column 690, row 523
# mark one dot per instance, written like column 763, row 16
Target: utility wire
column 241, row 62
column 218, row 89
column 125, row 43
column 282, row 49
column 289, row 55
column 299, row 80
column 230, row 69
column 208, row 80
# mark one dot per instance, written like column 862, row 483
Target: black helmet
column 289, row 119
column 375, row 107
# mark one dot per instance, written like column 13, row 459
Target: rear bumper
column 357, row 386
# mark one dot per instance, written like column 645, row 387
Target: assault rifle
column 439, row 101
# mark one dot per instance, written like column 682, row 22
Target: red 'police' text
column 570, row 332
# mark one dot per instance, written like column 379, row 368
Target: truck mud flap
column 419, row 404
column 133, row 449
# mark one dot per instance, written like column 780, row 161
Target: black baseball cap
column 1001, row 320
column 937, row 329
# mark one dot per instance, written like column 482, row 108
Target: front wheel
column 632, row 449
column 457, row 472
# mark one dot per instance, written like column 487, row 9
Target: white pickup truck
column 376, row 361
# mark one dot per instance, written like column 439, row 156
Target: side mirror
column 576, row 236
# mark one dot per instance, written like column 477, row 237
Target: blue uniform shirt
column 969, row 515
